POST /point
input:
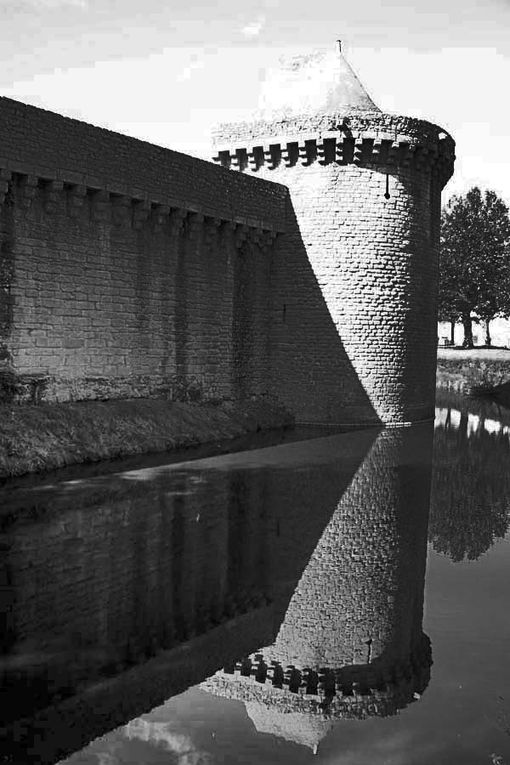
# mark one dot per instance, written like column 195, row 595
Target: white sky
column 166, row 70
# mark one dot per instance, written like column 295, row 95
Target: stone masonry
column 129, row 270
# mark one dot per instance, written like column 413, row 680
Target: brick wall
column 131, row 270
column 128, row 269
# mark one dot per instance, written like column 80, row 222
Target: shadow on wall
column 311, row 372
column 125, row 590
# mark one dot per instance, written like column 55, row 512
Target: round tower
column 354, row 278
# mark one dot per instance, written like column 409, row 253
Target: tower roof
column 318, row 82
column 304, row 729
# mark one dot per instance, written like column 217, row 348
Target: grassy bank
column 477, row 368
column 47, row 436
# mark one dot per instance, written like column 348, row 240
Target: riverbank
column 35, row 438
column 463, row 370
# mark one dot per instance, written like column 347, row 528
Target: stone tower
column 350, row 643
column 354, row 278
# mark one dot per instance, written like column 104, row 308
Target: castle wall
column 128, row 269
column 131, row 270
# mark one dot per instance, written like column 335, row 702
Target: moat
column 319, row 596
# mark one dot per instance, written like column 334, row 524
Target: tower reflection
column 350, row 642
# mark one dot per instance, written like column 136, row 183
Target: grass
column 476, row 371
column 46, row 436
column 480, row 352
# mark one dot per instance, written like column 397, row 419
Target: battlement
column 349, row 693
column 378, row 140
column 375, row 680
column 102, row 205
column 51, row 153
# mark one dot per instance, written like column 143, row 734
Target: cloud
column 51, row 4
column 254, row 28
column 161, row 734
column 186, row 73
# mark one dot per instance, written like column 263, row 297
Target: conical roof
column 306, row 730
column 319, row 82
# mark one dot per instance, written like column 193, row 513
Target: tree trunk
column 488, row 341
column 468, row 331
column 452, row 333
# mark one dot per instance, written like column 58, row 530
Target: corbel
column 161, row 214
column 240, row 235
column 269, row 238
column 239, row 159
column 404, row 153
column 120, row 210
column 381, row 150
column 194, row 225
column 28, row 190
column 253, row 160
column 101, row 206
column 345, row 150
column 222, row 158
column 177, row 217
column 268, row 157
column 211, row 230
column 52, row 191
column 307, row 152
column 75, row 200
column 289, row 153
column 326, row 149
column 5, row 178
column 141, row 212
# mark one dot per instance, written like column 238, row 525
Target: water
column 152, row 616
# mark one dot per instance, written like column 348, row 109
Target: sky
column 165, row 71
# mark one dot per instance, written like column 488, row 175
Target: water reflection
column 470, row 505
column 298, row 569
column 350, row 642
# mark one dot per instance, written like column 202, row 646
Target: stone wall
column 131, row 270
column 128, row 269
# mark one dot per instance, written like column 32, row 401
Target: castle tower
column 354, row 278
column 350, row 644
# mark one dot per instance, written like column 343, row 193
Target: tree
column 470, row 505
column 474, row 263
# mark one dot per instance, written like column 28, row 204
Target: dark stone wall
column 126, row 269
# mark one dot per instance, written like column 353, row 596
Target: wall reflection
column 299, row 569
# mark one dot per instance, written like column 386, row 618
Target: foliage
column 474, row 259
column 470, row 505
